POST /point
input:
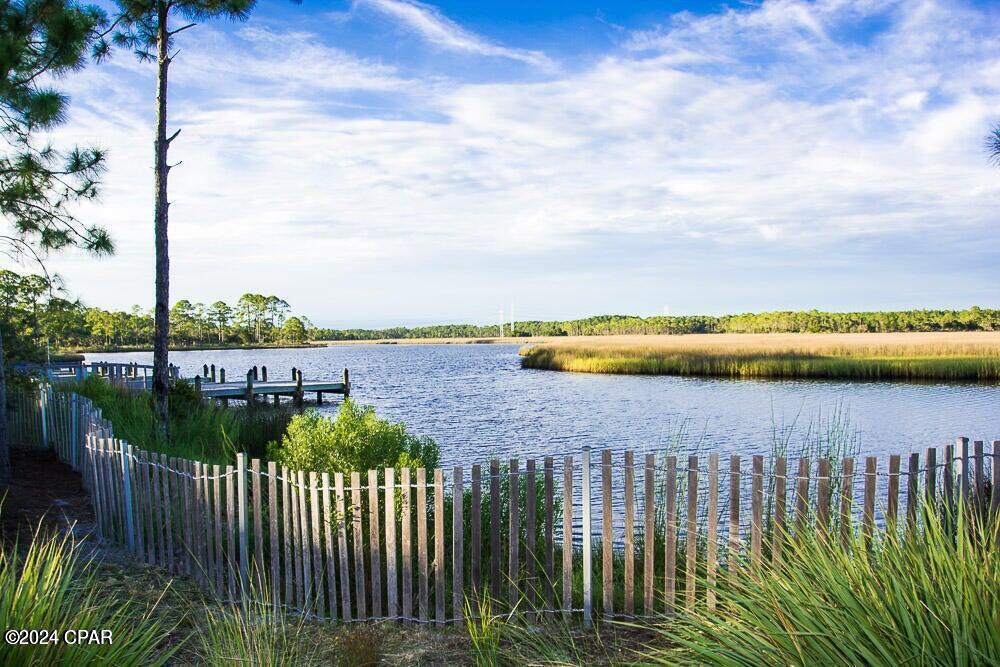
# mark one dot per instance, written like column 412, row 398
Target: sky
column 384, row 162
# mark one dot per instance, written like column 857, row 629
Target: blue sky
column 387, row 162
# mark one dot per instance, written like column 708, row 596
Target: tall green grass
column 49, row 585
column 198, row 430
column 926, row 599
column 763, row 363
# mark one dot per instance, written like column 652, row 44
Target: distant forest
column 34, row 311
column 970, row 319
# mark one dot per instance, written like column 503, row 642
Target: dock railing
column 587, row 536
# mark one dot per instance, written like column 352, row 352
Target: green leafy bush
column 357, row 440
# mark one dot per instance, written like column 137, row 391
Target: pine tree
column 41, row 40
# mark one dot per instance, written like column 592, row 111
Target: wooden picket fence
column 655, row 536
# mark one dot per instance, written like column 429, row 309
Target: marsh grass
column 198, row 430
column 926, row 599
column 49, row 585
column 949, row 358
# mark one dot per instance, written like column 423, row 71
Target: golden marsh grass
column 945, row 357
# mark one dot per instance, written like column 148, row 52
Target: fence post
column 587, row 567
column 126, row 454
column 241, row 513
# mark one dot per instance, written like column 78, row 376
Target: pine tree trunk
column 161, row 317
column 4, row 437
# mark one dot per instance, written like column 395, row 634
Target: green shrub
column 357, row 440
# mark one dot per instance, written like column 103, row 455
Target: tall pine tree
column 40, row 41
column 144, row 27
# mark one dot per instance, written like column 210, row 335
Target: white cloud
column 438, row 29
column 759, row 125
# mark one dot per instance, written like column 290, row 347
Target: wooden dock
column 211, row 384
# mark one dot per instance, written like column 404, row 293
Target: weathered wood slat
column 648, row 536
column 892, row 500
column 756, row 510
column 476, row 529
column 912, row 491
column 272, row 515
column 331, row 567
column 733, row 557
column 802, row 498
column 422, row 593
column 629, row 545
column 871, row 464
column 587, row 548
column 823, row 494
column 258, row 569
column 691, row 539
column 360, row 590
column 231, row 534
column 978, row 478
column 288, row 536
column 846, row 500
column 780, row 487
column 219, row 564
column 315, row 510
column 439, row 563
column 457, row 545
column 567, row 538
column 345, row 567
column 712, row 555
column 670, row 544
column 495, row 530
column 514, row 537
column 995, row 501
column 930, row 472
column 391, row 583
column 306, row 540
column 549, row 529
column 406, row 549
column 242, row 522
column 168, row 503
column 530, row 552
column 607, row 553
column 374, row 543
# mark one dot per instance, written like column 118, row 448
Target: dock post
column 295, row 374
column 298, row 389
column 347, row 384
column 254, row 372
column 213, row 373
column 319, row 398
column 204, row 369
column 277, row 400
column 263, row 373
column 250, row 377
column 222, row 376
column 197, row 385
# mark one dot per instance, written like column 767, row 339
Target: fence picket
column 756, row 510
column 550, row 566
column 374, row 544
column 457, row 545
column 317, row 545
column 391, row 584
column 567, row 538
column 670, row 543
column 331, row 568
column 846, row 500
column 514, row 536
column 733, row 555
column 439, row 564
column 648, row 538
column 780, row 490
column 912, row 497
column 345, row 566
column 422, row 592
column 691, row 537
column 258, row 570
column 360, row 594
column 231, row 535
column 476, row 529
column 607, row 553
column 871, row 464
column 406, row 552
column 306, row 542
column 288, row 535
column 711, row 557
column 275, row 537
column 495, row 530
column 530, row 553
column 629, row 546
column 802, row 497
column 823, row 494
column 892, row 494
column 219, row 562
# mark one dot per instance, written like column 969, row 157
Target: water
column 477, row 402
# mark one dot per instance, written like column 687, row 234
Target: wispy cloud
column 438, row 29
column 770, row 132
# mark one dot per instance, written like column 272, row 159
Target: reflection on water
column 476, row 401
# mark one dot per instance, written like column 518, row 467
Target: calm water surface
column 476, row 401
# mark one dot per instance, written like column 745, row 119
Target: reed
column 883, row 357
column 929, row 599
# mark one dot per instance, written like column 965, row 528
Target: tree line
column 36, row 311
column 812, row 321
